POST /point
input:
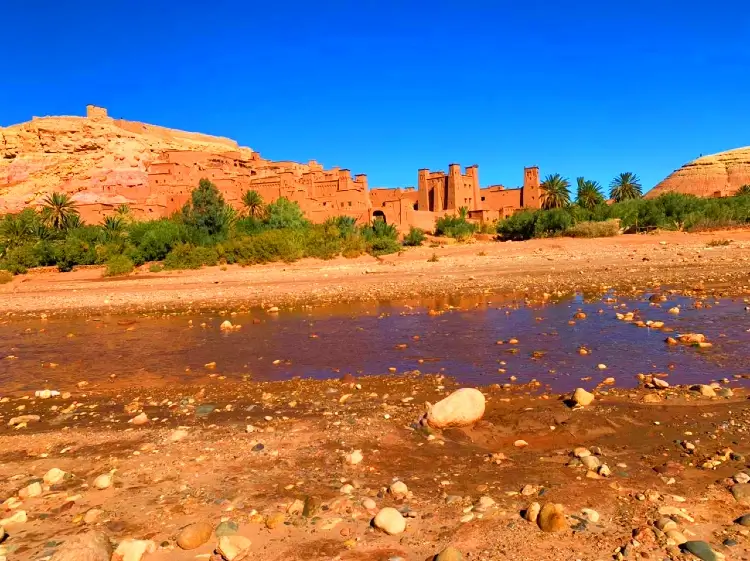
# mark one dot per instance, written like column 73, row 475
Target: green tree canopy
column 206, row 213
column 58, row 212
column 625, row 186
column 589, row 193
column 555, row 192
column 253, row 203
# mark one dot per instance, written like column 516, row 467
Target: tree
column 625, row 186
column 555, row 192
column 743, row 191
column 283, row 213
column 206, row 212
column 253, row 203
column 589, row 193
column 123, row 210
column 58, row 211
column 113, row 228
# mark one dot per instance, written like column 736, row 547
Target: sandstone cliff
column 94, row 158
column 709, row 176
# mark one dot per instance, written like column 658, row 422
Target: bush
column 415, row 237
column 604, row 229
column 155, row 268
column 5, row 277
column 283, row 213
column 550, row 223
column 186, row 256
column 207, row 217
column 156, row 238
column 456, row 227
column 353, row 246
column 22, row 258
column 323, row 241
column 381, row 238
column 118, row 265
column 517, row 227
column 267, row 247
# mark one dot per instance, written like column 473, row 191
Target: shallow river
column 369, row 339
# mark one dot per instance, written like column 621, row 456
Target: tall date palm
column 589, row 193
column 625, row 186
column 555, row 192
column 58, row 210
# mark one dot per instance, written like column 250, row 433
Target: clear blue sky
column 386, row 87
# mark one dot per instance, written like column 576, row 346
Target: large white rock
column 390, row 521
column 462, row 408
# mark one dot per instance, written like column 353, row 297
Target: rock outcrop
column 716, row 175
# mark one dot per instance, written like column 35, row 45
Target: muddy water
column 369, row 339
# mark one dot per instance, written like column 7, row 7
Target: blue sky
column 386, row 87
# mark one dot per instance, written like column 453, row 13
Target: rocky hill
column 94, row 158
column 709, row 176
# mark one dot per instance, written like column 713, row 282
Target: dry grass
column 5, row 277
column 605, row 229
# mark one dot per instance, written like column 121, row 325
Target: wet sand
column 302, row 430
column 518, row 268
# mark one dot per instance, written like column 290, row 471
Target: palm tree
column 625, row 186
column 555, row 192
column 253, row 203
column 113, row 227
column 123, row 210
column 743, row 191
column 589, row 193
column 58, row 210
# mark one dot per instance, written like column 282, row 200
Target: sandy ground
column 302, row 430
column 523, row 268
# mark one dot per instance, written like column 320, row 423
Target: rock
column 581, row 452
column 178, row 435
column 450, row 553
column 231, row 547
column 31, row 490
column 462, row 408
column 741, row 492
column 104, row 481
column 92, row 516
column 228, row 528
column 552, row 518
column 486, row 502
column 700, row 549
column 743, row 520
column 226, row 325
column 133, row 550
column 312, row 506
column 532, row 512
column 140, row 419
column 724, row 392
column 590, row 514
column 390, row 521
column 665, row 524
column 195, row 535
column 604, row 470
column 704, row 390
column 399, row 489
column 651, row 398
column 91, row 546
column 369, row 504
column 674, row 311
column 275, row 520
column 354, row 457
column 676, row 536
column 54, row 476
column 591, row 462
column 18, row 517
column 346, row 489
column 23, row 420
column 582, row 397
column 297, row 507
column 742, row 477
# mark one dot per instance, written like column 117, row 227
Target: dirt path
column 524, row 268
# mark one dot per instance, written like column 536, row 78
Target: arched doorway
column 378, row 215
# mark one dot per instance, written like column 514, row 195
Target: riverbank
column 268, row 461
column 523, row 269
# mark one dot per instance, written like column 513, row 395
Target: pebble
column 354, row 457
column 399, row 489
column 54, row 476
column 18, row 517
column 590, row 514
column 700, row 549
column 604, row 470
column 141, row 419
column 92, row 516
column 133, row 550
column 23, row 420
column 194, row 535
column 369, row 504
column 31, row 490
column 450, row 553
column 346, row 489
column 467, row 517
column 91, row 546
column 227, row 528
column 486, row 502
column 231, row 547
column 311, row 507
column 582, row 397
column 676, row 536
column 665, row 524
column 104, row 481
column 532, row 512
column 742, row 477
column 744, row 520
column 705, row 390
column 581, row 452
column 390, row 521
column 591, row 462
column 178, row 435
column 552, row 518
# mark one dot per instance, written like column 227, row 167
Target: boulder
column 582, row 397
column 741, row 493
column 195, row 535
column 91, row 546
column 390, row 521
column 552, row 518
column 462, row 408
column 231, row 547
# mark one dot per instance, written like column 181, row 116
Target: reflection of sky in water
column 362, row 339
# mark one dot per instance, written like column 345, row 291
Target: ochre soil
column 306, row 427
column 523, row 268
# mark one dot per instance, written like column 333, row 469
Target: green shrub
column 415, row 237
column 552, row 223
column 323, row 241
column 186, row 256
column 517, row 227
column 266, row 247
column 383, row 246
column 380, row 238
column 353, row 246
column 156, row 238
column 5, row 277
column 456, row 227
column 284, row 214
column 206, row 215
column 118, row 265
column 22, row 258
column 604, row 229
